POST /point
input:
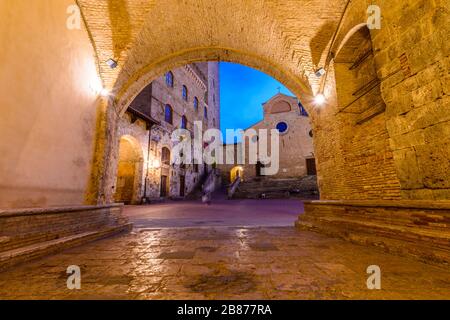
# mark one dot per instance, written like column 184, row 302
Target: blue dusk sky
column 243, row 90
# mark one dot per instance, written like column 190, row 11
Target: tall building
column 173, row 101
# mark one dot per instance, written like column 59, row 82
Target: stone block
column 438, row 132
column 418, row 194
column 434, row 165
column 407, row 140
column 408, row 169
column 427, row 93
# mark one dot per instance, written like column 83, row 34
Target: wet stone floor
column 224, row 263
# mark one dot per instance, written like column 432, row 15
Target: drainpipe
column 144, row 198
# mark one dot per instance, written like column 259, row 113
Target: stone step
column 271, row 188
column 22, row 227
column 418, row 229
column 437, row 237
column 37, row 250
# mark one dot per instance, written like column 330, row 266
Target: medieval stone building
column 296, row 152
column 173, row 101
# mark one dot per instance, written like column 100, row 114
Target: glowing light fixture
column 104, row 92
column 112, row 63
column 320, row 72
column 319, row 99
column 154, row 164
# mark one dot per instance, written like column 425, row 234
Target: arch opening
column 129, row 171
column 128, row 87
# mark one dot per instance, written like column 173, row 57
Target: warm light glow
column 154, row 164
column 319, row 99
column 104, row 92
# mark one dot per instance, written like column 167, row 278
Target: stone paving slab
column 221, row 213
column 224, row 263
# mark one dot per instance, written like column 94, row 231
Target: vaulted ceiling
column 291, row 35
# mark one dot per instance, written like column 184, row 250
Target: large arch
column 156, row 36
column 124, row 95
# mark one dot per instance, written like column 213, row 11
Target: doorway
column 182, row 186
column 311, row 167
column 164, row 186
column 129, row 171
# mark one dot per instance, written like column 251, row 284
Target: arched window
column 169, row 79
column 168, row 114
column 205, row 113
column 196, row 104
column 184, row 122
column 165, row 156
column 185, row 93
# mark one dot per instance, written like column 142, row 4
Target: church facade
column 296, row 152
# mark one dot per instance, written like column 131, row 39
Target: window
column 196, row 104
column 165, row 156
column 168, row 114
column 169, row 79
column 282, row 127
column 185, row 93
column 205, row 113
column 303, row 111
column 184, row 122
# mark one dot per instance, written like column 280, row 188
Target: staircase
column 272, row 188
column 209, row 182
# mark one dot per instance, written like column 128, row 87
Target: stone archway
column 129, row 171
column 236, row 172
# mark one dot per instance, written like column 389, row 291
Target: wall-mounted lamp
column 104, row 92
column 112, row 63
column 320, row 72
column 154, row 164
column 319, row 99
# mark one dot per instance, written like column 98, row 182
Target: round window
column 282, row 127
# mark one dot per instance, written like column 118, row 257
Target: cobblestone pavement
column 224, row 263
column 222, row 212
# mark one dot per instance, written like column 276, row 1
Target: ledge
column 409, row 204
column 54, row 210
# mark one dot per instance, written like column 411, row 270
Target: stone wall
column 402, row 152
column 415, row 228
column 48, row 104
column 197, row 78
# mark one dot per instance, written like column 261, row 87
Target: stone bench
column 414, row 228
column 29, row 233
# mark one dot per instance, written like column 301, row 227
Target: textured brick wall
column 403, row 152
